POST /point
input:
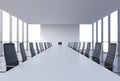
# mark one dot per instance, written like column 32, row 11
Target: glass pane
column 114, row 26
column 34, row 32
column 79, row 32
column 25, row 32
column 20, row 31
column 14, row 29
column 94, row 33
column 6, row 26
column 85, row 32
column 105, row 47
column 25, row 35
column 105, row 34
column 15, row 45
column 25, row 45
column 99, row 30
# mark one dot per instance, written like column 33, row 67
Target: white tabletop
column 59, row 64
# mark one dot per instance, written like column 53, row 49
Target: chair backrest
column 38, row 51
column 32, row 49
column 48, row 44
column 45, row 45
column 111, row 55
column 51, row 44
column 87, row 49
column 10, row 55
column 83, row 47
column 68, row 44
column 72, row 44
column 79, row 45
column 41, row 46
column 23, row 53
column 75, row 46
column 97, row 52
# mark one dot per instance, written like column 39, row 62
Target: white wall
column 60, row 32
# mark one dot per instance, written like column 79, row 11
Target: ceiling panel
column 59, row 11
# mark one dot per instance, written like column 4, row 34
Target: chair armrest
column 20, row 61
column 6, row 66
column 9, row 66
column 29, row 56
column 108, row 66
column 94, row 59
column 3, row 71
column 116, row 72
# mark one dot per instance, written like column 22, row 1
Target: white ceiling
column 59, row 11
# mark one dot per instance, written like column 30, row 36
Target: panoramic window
column 14, row 29
column 25, row 32
column 85, row 33
column 20, row 30
column 114, row 27
column 105, row 34
column 25, row 35
column 34, row 32
column 99, row 31
column 6, row 26
column 94, row 25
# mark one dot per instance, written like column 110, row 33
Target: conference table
column 59, row 63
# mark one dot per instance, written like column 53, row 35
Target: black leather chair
column 23, row 54
column 97, row 52
column 10, row 56
column 32, row 49
column 68, row 44
column 71, row 44
column 83, row 47
column 78, row 48
column 48, row 44
column 74, row 44
column 37, row 48
column 45, row 45
column 41, row 46
column 110, row 56
column 87, row 51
